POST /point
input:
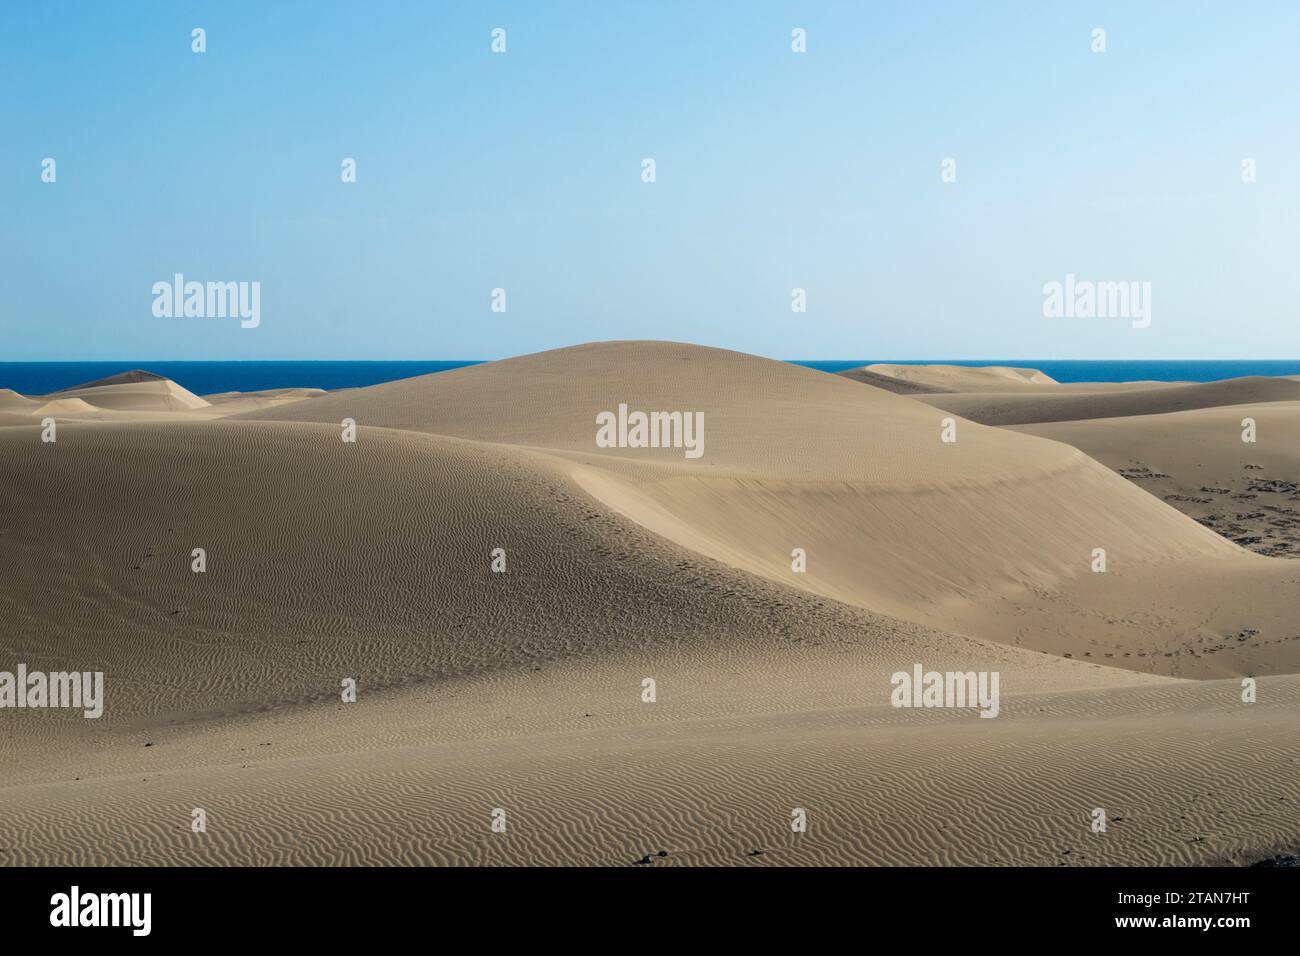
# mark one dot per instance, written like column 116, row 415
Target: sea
column 206, row 378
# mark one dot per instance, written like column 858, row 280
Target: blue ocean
column 205, row 378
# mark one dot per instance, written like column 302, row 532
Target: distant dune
column 961, row 378
column 890, row 383
column 134, row 376
column 234, row 403
column 139, row 396
column 135, row 391
column 1070, row 403
column 523, row 689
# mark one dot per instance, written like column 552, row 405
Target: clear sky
column 775, row 170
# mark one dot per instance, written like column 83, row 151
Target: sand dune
column 134, row 391
column 266, row 395
column 522, row 690
column 960, row 378
column 62, row 406
column 762, row 417
column 16, row 409
column 133, row 376
column 236, row 403
column 1196, row 461
column 1186, row 776
column 888, row 383
column 139, row 396
column 12, row 401
column 1073, row 402
column 992, row 535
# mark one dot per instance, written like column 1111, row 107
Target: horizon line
column 930, row 360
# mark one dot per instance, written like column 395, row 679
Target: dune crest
column 131, row 377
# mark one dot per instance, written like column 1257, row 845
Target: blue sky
column 775, row 170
